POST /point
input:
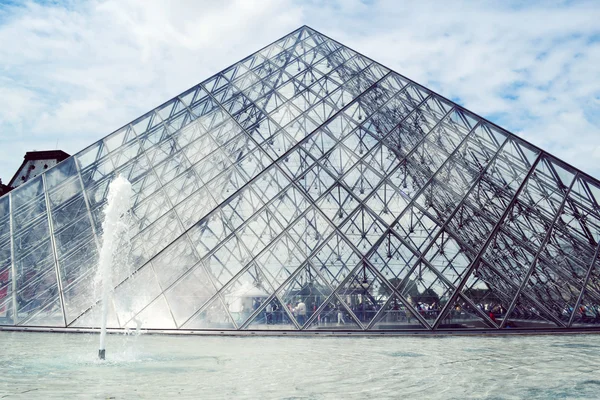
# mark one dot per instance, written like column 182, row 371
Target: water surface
column 53, row 365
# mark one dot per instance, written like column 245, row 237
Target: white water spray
column 114, row 227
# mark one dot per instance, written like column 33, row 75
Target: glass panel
column 92, row 317
column 425, row 291
column 335, row 260
column 36, row 280
column 461, row 315
column 6, row 298
column 156, row 316
column 66, row 213
column 79, row 296
column 396, row 315
column 212, row 316
column 333, row 315
column 415, row 228
column 246, row 294
column 490, row 291
column 588, row 311
column 304, row 294
column 364, row 293
column 26, row 193
column 272, row 316
column 393, row 259
column 529, row 315
column 92, row 154
column 73, row 236
column 280, row 261
column 29, row 214
column 449, row 258
column 174, row 261
column 556, row 290
column 48, row 315
column 189, row 294
column 135, row 294
column 60, row 173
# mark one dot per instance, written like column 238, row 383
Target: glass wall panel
column 308, row 187
column 304, row 294
column 6, row 284
column 135, row 294
column 189, row 294
column 212, row 316
column 396, row 315
column 36, row 282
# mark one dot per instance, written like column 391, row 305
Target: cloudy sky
column 74, row 71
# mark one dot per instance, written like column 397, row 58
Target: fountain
column 114, row 228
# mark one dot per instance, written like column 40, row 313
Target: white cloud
column 77, row 72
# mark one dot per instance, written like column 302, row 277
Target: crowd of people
column 397, row 312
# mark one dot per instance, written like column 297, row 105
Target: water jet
column 114, row 227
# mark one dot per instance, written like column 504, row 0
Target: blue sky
column 72, row 72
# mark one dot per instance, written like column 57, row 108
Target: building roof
column 54, row 155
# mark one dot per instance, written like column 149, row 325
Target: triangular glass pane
column 80, row 295
column 587, row 313
column 6, row 309
column 226, row 261
column 449, row 257
column 118, row 138
column 528, row 315
column 364, row 293
column 187, row 97
column 272, row 316
column 93, row 317
column 416, row 228
column 393, row 259
column 363, row 229
column 490, row 292
column 174, row 261
column 60, row 173
column 212, row 316
column 550, row 286
column 396, row 315
column 189, row 294
column 304, row 293
column 426, row 291
column 310, row 231
column 335, row 260
column 564, row 174
column 333, row 315
column 90, row 155
column 141, row 124
column 48, row 315
column 246, row 293
column 362, row 180
column 387, row 202
column 156, row 316
column 462, row 315
column 135, row 294
column 337, row 204
column 280, row 261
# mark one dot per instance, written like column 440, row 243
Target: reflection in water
column 34, row 365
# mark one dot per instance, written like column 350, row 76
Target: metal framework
column 309, row 188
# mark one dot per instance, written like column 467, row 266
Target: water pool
column 54, row 365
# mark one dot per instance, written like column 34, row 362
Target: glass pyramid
column 308, row 187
